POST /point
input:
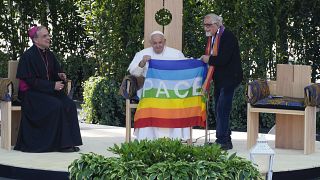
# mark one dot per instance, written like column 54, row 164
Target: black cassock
column 49, row 119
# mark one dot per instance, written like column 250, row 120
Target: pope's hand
column 144, row 60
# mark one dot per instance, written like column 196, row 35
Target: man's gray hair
column 215, row 19
column 39, row 28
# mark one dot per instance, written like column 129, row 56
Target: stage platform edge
column 288, row 164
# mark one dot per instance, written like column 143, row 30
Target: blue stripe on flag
column 175, row 74
column 175, row 64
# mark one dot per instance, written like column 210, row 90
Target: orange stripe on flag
column 168, row 113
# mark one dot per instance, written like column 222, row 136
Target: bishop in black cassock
column 49, row 119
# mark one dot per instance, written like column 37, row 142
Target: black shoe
column 70, row 149
column 77, row 149
column 226, row 146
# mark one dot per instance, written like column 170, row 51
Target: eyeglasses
column 208, row 25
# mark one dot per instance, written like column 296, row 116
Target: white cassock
column 134, row 69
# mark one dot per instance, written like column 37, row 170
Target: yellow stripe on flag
column 170, row 103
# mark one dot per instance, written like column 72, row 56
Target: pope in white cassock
column 139, row 67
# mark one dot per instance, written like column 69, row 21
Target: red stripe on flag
column 170, row 123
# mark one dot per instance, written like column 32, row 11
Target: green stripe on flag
column 170, row 94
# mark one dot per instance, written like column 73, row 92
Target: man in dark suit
column 223, row 56
column 49, row 119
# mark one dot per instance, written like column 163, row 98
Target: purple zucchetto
column 32, row 31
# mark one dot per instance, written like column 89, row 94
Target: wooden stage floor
column 291, row 164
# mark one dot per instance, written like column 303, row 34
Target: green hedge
column 102, row 102
column 4, row 58
column 163, row 159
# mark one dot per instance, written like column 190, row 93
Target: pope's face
column 157, row 42
column 43, row 39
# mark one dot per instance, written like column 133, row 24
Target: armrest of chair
column 312, row 95
column 69, row 85
column 6, row 89
column 130, row 85
column 257, row 90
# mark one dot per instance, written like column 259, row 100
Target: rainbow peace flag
column 172, row 95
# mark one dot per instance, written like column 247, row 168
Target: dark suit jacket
column 228, row 68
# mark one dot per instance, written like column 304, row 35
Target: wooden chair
column 295, row 129
column 11, row 114
column 129, row 106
